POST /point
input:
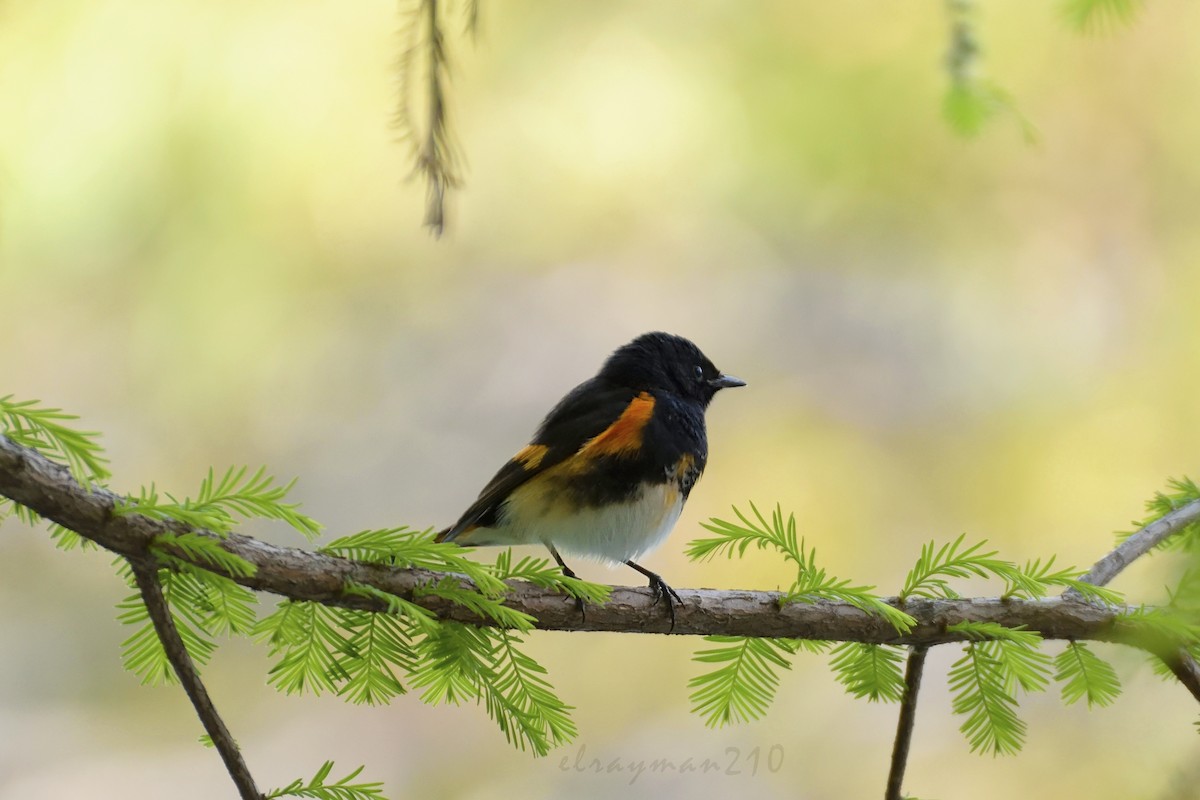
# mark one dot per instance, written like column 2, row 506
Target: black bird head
column 663, row 361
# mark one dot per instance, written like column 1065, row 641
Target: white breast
column 617, row 533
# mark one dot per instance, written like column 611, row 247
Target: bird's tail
column 459, row 534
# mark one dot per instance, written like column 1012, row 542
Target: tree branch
column 908, row 719
column 145, row 572
column 48, row 488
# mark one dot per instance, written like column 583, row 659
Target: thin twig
column 1183, row 667
column 435, row 207
column 1177, row 659
column 145, row 572
column 436, row 157
column 435, row 153
column 908, row 718
column 471, row 27
column 963, row 56
column 1140, row 543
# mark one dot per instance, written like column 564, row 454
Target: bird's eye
column 698, row 371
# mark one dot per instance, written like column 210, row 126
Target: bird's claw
column 664, row 592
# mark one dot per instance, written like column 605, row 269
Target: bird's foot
column 661, row 591
column 570, row 573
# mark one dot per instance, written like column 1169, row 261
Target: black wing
column 586, row 412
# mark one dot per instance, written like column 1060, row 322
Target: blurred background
column 209, row 249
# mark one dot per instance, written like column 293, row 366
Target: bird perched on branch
column 611, row 465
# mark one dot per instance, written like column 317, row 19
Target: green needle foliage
column 744, row 686
column 1184, row 598
column 143, row 654
column 930, row 576
column 972, row 101
column 220, row 504
column 376, row 645
column 935, row 566
column 1024, row 665
column 203, row 604
column 450, row 588
column 419, row 616
column 1037, row 579
column 198, row 547
column 985, row 679
column 995, row 665
column 461, row 662
column 1173, row 626
column 1163, row 624
column 370, row 657
column 540, row 572
column 1180, row 492
column 63, row 538
column 522, row 702
column 1098, row 16
column 872, row 671
column 992, row 723
column 403, row 547
column 407, row 548
column 30, row 425
column 451, row 661
column 812, row 583
column 970, row 105
column 319, row 789
column 1082, row 673
column 307, row 639
column 388, row 546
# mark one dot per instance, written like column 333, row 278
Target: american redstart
column 610, row 467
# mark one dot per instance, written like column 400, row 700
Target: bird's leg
column 570, row 573
column 661, row 590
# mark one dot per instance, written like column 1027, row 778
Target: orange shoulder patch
column 531, row 456
column 624, row 435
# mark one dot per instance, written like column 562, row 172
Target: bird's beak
column 726, row 382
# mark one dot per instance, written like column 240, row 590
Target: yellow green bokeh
column 210, row 249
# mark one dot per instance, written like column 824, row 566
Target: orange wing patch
column 531, row 456
column 624, row 435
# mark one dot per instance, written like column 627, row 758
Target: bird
column 607, row 472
